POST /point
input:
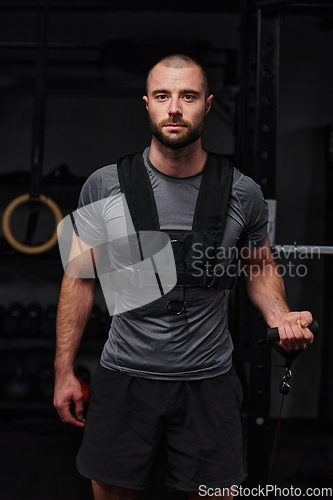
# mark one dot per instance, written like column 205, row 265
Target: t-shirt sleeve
column 89, row 224
column 255, row 213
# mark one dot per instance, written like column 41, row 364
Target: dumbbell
column 31, row 321
column 48, row 326
column 18, row 387
column 45, row 383
column 12, row 321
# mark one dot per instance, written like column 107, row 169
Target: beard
column 179, row 139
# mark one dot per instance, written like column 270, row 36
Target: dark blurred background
column 72, row 75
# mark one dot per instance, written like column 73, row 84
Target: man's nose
column 175, row 107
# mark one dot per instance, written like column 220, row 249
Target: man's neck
column 182, row 162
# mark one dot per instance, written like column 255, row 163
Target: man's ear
column 209, row 102
column 145, row 98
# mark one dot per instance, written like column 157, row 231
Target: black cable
column 275, row 443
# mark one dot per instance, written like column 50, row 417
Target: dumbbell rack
column 31, row 352
column 27, row 278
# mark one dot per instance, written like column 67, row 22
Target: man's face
column 176, row 105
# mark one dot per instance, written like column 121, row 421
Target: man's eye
column 188, row 97
column 161, row 97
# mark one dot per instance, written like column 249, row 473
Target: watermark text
column 267, row 491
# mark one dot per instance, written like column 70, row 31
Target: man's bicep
column 257, row 256
column 81, row 260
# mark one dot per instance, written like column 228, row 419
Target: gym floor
column 38, row 460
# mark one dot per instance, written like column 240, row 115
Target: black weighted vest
column 208, row 221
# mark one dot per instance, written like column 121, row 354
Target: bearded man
column 166, row 372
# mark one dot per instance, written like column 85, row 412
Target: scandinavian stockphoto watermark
column 231, row 261
column 268, row 491
column 137, row 268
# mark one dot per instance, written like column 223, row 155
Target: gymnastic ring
column 21, row 247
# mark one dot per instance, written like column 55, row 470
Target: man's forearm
column 266, row 290
column 75, row 303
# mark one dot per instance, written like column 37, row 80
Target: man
column 169, row 372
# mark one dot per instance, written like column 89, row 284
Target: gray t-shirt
column 148, row 341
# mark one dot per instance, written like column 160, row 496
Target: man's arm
column 74, row 307
column 266, row 290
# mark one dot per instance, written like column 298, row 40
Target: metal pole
column 326, row 389
column 267, row 100
column 264, row 172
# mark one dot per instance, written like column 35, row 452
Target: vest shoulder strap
column 211, row 206
column 135, row 184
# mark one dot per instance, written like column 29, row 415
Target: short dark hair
column 181, row 61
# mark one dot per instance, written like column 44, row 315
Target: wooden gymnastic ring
column 21, row 247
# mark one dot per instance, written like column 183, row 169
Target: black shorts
column 129, row 416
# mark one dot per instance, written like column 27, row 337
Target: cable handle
column 273, row 333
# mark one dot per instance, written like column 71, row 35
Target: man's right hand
column 68, row 399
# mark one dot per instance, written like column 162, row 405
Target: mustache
column 175, row 120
